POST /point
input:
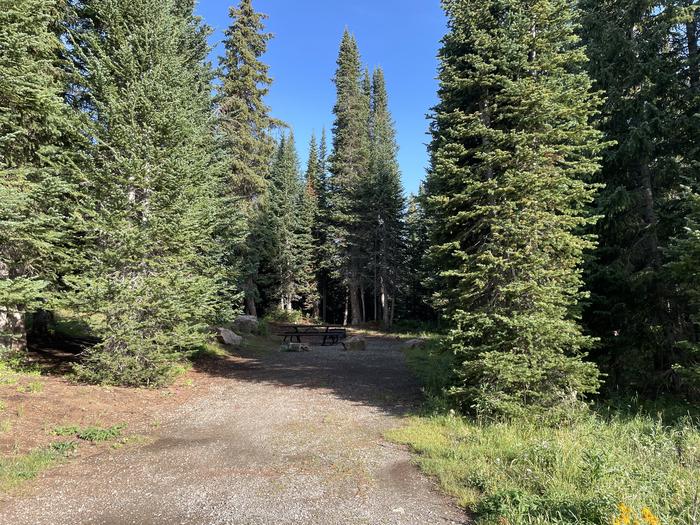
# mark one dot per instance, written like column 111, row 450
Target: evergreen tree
column 325, row 249
column 38, row 174
column 245, row 126
column 512, row 154
column 386, row 202
column 151, row 287
column 638, row 58
column 312, row 206
column 416, row 302
column 287, row 246
column 349, row 174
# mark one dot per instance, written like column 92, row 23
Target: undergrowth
column 93, row 433
column 622, row 463
column 15, row 470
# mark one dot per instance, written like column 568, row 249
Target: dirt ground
column 271, row 438
column 32, row 406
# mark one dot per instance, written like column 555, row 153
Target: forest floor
column 257, row 437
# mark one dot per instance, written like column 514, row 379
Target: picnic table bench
column 329, row 335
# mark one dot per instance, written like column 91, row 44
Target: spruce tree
column 387, row 202
column 151, row 288
column 314, row 190
column 513, row 152
column 39, row 138
column 325, row 248
column 287, row 246
column 638, row 57
column 245, row 125
column 349, row 167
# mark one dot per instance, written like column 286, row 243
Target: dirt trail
column 281, row 438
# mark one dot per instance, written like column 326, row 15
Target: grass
column 618, row 463
column 93, row 434
column 15, row 470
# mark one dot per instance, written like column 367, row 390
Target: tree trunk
column 324, row 296
column 386, row 314
column 13, row 331
column 649, row 215
column 250, row 306
column 364, row 306
column 691, row 29
column 374, row 297
column 347, row 304
column 355, row 307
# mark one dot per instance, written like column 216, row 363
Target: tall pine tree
column 638, row 57
column 349, row 167
column 513, row 152
column 245, row 126
column 387, row 203
column 151, row 287
column 287, row 272
column 38, row 166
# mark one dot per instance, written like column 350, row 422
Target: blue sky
column 401, row 36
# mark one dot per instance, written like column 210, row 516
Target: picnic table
column 328, row 334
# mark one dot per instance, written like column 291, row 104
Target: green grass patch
column 93, row 434
column 15, row 470
column 623, row 461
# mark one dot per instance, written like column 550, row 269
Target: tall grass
column 617, row 464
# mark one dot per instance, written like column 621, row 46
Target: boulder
column 228, row 338
column 245, row 324
column 355, row 344
column 415, row 343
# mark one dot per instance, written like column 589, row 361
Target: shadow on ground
column 377, row 377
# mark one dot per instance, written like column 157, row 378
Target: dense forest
column 555, row 241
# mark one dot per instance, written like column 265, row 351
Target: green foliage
column 93, row 434
column 280, row 315
column 38, row 164
column 15, row 470
column 522, row 472
column 350, row 172
column 244, row 127
column 286, row 243
column 513, row 152
column 155, row 267
column 644, row 56
column 386, row 201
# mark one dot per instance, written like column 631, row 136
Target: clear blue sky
column 401, row 36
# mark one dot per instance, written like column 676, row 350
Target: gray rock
column 355, row 344
column 245, row 324
column 415, row 343
column 227, row 337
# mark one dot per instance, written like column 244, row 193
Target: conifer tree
column 512, row 155
column 151, row 287
column 245, row 126
column 38, row 164
column 638, row 57
column 349, row 167
column 287, row 246
column 386, row 201
column 324, row 242
column 416, row 293
column 314, row 190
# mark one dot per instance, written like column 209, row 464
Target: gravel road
column 280, row 438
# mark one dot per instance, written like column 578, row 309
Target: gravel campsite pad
column 279, row 438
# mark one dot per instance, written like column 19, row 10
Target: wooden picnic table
column 330, row 335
